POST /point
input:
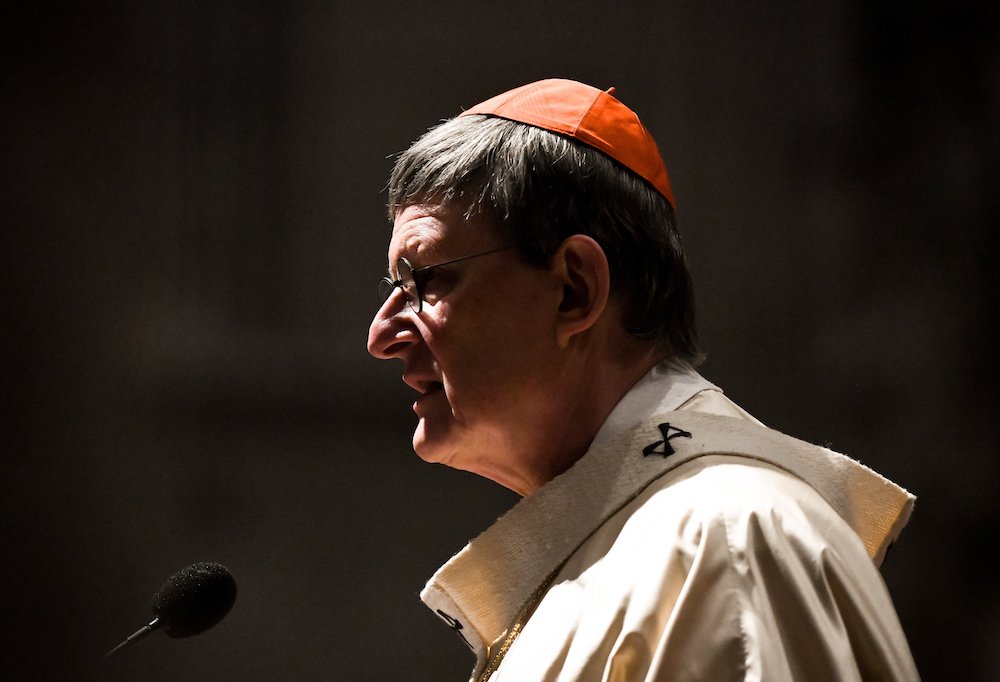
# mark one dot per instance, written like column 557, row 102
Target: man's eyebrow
column 399, row 257
column 394, row 266
column 413, row 254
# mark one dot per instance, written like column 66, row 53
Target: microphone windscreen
column 194, row 599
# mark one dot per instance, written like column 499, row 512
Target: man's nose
column 390, row 332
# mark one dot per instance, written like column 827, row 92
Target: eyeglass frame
column 420, row 277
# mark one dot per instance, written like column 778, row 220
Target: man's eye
column 436, row 284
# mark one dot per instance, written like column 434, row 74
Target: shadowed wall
column 193, row 224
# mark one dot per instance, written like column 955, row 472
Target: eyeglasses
column 412, row 281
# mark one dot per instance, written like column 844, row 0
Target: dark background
column 193, row 223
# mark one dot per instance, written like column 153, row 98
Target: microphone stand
column 134, row 637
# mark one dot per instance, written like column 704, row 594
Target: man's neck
column 593, row 387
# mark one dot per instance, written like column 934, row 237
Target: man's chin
column 429, row 445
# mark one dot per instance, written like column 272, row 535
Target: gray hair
column 539, row 188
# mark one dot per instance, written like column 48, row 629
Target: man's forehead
column 435, row 229
column 415, row 230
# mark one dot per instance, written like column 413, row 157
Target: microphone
column 191, row 601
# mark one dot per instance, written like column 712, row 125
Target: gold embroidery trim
column 522, row 618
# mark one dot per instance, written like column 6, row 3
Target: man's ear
column 582, row 268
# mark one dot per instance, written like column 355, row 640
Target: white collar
column 665, row 387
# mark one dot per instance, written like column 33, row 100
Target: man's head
column 519, row 353
column 539, row 187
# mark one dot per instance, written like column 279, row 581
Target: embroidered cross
column 668, row 432
column 456, row 625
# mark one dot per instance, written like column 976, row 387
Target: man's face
column 482, row 351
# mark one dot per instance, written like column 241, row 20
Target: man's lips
column 421, row 383
column 428, row 392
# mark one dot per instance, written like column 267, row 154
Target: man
column 538, row 299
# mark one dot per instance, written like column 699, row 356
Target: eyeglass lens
column 405, row 282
